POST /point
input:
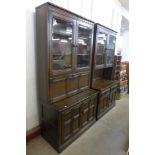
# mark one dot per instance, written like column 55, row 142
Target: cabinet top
column 104, row 84
column 73, row 100
column 65, row 10
column 98, row 24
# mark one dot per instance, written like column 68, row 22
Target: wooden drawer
column 58, row 88
column 64, row 86
column 92, row 108
column 84, row 80
column 77, row 117
column 73, row 83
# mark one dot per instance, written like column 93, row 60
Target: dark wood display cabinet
column 102, row 68
column 64, row 54
column 64, row 42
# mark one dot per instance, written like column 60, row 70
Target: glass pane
column 112, row 41
column 61, row 44
column 101, row 45
column 110, row 56
column 84, row 46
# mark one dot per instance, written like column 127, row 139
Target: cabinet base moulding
column 33, row 133
column 71, row 140
column 106, row 111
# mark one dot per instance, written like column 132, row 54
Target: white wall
column 125, row 46
column 106, row 12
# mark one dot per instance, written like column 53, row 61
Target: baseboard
column 127, row 152
column 32, row 133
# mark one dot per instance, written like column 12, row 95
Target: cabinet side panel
column 50, row 125
column 93, row 56
column 42, row 53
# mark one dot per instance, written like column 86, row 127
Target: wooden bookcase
column 74, row 70
column 102, row 68
column 64, row 51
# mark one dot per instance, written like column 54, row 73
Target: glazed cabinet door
column 62, row 41
column 113, row 94
column 110, row 50
column 104, row 101
column 100, row 50
column 84, row 45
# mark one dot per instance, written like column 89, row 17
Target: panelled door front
column 66, row 125
column 104, row 101
column 113, row 94
column 85, row 112
column 77, row 117
column 92, row 108
column 70, row 122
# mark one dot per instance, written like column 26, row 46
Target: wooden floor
column 108, row 136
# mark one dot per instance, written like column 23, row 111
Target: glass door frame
column 91, row 27
column 110, row 33
column 50, row 35
column 100, row 29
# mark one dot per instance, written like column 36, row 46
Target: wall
column 125, row 46
column 105, row 12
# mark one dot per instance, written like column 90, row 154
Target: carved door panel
column 66, row 125
column 73, row 83
column 113, row 95
column 76, row 119
column 70, row 122
column 92, row 108
column 104, row 101
column 85, row 112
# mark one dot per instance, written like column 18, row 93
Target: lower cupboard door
column 66, row 126
column 75, row 119
column 92, row 108
column 85, row 112
column 70, row 123
column 104, row 101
